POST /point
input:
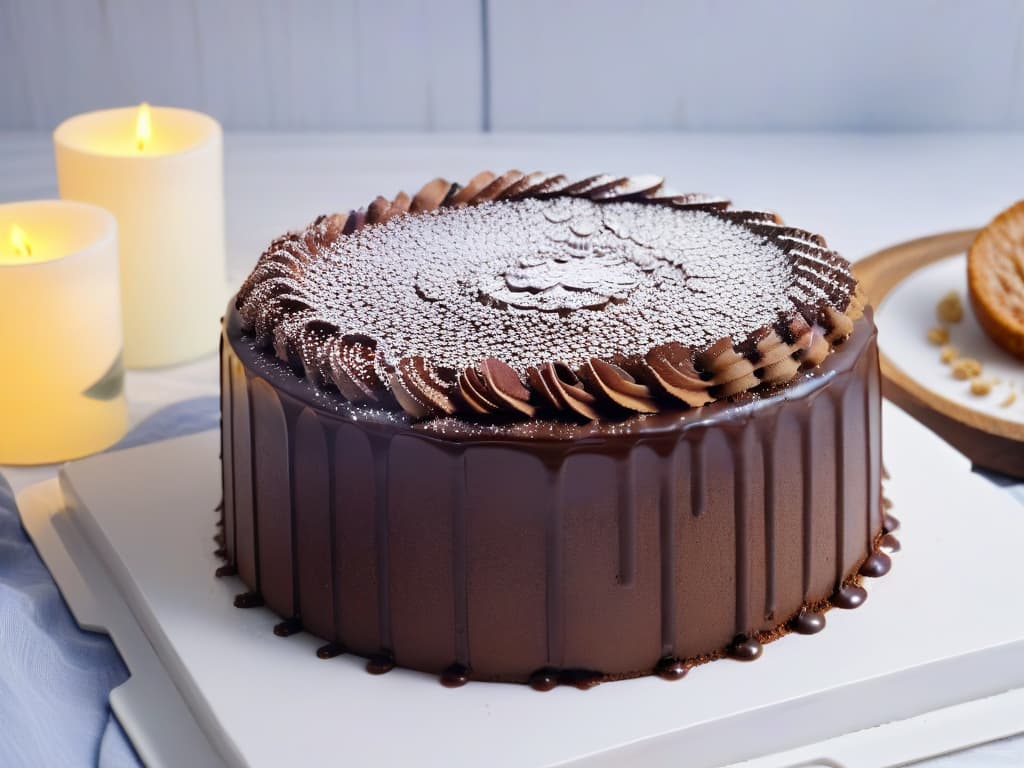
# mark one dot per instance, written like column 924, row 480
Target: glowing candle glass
column 61, row 375
column 160, row 172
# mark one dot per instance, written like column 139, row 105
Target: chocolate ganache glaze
column 540, row 430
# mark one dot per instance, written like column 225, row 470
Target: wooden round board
column 986, row 439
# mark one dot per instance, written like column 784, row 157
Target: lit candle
column 160, row 172
column 61, row 375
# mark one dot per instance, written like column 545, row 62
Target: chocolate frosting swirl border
column 274, row 309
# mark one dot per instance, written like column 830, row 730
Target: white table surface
column 862, row 191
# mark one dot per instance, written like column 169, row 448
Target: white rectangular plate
column 941, row 630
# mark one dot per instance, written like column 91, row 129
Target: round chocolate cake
column 544, row 429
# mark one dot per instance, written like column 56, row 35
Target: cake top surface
column 523, row 293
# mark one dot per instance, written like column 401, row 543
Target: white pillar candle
column 160, row 172
column 61, row 374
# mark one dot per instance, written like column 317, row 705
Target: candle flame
column 143, row 127
column 19, row 241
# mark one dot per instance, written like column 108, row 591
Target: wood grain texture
column 263, row 64
column 988, row 441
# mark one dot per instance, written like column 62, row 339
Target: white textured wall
column 521, row 64
column 744, row 64
column 254, row 64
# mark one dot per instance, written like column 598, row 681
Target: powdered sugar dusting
column 564, row 279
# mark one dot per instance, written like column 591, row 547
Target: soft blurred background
column 481, row 65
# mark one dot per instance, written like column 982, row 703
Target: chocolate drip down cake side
column 542, row 429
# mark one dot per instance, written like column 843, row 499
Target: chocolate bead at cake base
column 889, row 543
column 876, row 565
column 849, row 596
column 583, row 679
column 808, row 622
column 225, row 570
column 670, row 668
column 455, row 676
column 547, row 679
column 550, row 545
column 745, row 649
column 544, row 680
column 288, row 627
column 248, row 600
column 380, row 663
column 330, row 651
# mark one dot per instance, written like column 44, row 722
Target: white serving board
column 904, row 319
column 942, row 634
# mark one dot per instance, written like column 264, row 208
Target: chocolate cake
column 542, row 429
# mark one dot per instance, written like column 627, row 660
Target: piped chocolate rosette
column 535, row 295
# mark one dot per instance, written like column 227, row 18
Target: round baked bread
column 995, row 278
